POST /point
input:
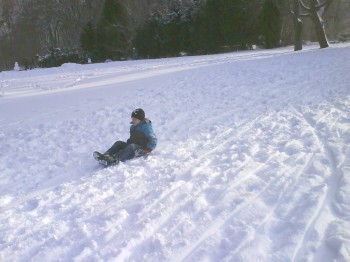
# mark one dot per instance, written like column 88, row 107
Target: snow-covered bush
column 56, row 57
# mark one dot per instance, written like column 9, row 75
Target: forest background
column 52, row 32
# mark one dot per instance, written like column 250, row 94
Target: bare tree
column 62, row 21
column 315, row 10
column 298, row 26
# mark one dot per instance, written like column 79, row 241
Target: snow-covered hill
column 253, row 160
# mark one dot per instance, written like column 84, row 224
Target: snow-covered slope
column 253, row 161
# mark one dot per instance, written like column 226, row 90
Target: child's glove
column 142, row 152
column 147, row 150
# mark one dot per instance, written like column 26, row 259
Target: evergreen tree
column 148, row 41
column 271, row 24
column 168, row 32
column 227, row 25
column 88, row 39
column 210, row 35
column 237, row 27
column 111, row 31
column 108, row 39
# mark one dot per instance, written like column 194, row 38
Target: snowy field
column 252, row 163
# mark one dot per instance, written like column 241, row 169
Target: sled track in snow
column 251, row 176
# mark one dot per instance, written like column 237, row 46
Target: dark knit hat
column 139, row 114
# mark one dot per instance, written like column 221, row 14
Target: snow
column 253, row 161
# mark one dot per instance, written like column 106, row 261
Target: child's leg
column 128, row 152
column 117, row 146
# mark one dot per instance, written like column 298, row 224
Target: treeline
column 108, row 38
column 191, row 27
column 49, row 33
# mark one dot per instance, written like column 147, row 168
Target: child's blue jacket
column 143, row 135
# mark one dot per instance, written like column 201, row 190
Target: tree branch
column 326, row 4
column 307, row 9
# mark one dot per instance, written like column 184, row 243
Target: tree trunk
column 298, row 25
column 319, row 27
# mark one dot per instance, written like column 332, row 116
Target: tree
column 111, row 30
column 315, row 11
column 169, row 30
column 298, row 26
column 88, row 39
column 108, row 39
column 227, row 24
column 271, row 24
column 209, row 29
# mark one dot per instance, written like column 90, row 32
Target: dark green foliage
column 199, row 28
column 149, row 40
column 111, row 33
column 89, row 40
column 191, row 27
column 227, row 25
column 271, row 24
column 167, row 34
column 107, row 39
column 55, row 57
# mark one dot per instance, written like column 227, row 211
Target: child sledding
column 141, row 142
